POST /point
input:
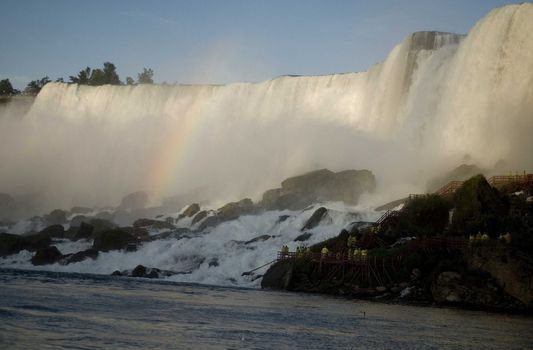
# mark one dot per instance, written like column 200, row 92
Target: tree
column 6, row 88
column 110, row 74
column 35, row 86
column 60, row 80
column 145, row 77
column 130, row 81
column 97, row 77
column 82, row 77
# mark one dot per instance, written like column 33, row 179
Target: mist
column 436, row 99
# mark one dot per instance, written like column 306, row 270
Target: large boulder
column 190, row 211
column 278, row 276
column 209, row 221
column 53, row 231
column 84, row 231
column 135, row 200
column 511, row 269
column 56, row 217
column 112, row 240
column 479, row 208
column 315, row 219
column 46, row 256
column 12, row 244
column 234, row 210
column 78, row 219
column 199, row 217
column 155, row 224
column 80, row 256
column 319, row 186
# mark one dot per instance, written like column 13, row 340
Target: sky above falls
column 215, row 41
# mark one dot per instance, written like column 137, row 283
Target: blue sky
column 215, row 41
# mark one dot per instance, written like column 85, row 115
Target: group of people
column 483, row 237
column 354, row 253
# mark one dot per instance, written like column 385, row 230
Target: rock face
column 46, row 256
column 135, row 200
column 112, row 240
column 512, row 270
column 322, row 185
column 278, row 276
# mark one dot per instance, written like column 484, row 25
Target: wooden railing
column 450, row 187
column 500, row 180
column 456, row 244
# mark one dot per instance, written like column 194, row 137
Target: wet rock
column 303, row 237
column 447, row 287
column 209, row 221
column 261, row 238
column 213, row 262
column 190, row 211
column 101, row 225
column 199, row 217
column 321, row 185
column 55, row 217
column 78, row 219
column 104, row 215
column 150, row 223
column 141, row 271
column 282, row 218
column 135, row 200
column 84, row 231
column 278, row 276
column 11, row 244
column 140, row 233
column 511, row 270
column 46, row 256
column 123, row 217
column 80, row 256
column 112, row 240
column 234, row 210
column 116, row 273
column 315, row 219
column 54, row 231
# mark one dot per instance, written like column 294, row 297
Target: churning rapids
column 436, row 98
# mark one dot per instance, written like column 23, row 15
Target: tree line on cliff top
column 87, row 76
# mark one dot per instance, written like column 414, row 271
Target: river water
column 43, row 310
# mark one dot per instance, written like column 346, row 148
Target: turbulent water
column 216, row 256
column 64, row 311
column 436, row 99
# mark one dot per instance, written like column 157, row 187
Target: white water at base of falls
column 436, row 99
column 217, row 256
